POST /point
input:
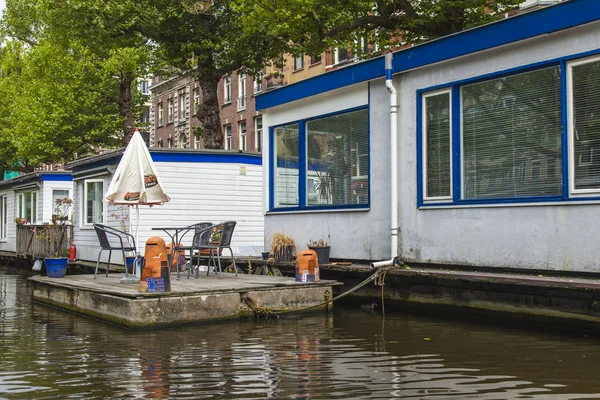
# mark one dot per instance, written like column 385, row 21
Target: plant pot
column 56, row 267
column 129, row 263
column 286, row 254
column 265, row 255
column 322, row 254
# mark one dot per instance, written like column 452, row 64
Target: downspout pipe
column 389, row 57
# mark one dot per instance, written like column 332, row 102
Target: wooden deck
column 189, row 301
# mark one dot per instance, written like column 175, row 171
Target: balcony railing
column 44, row 240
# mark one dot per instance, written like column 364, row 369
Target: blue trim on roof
column 555, row 18
column 207, row 158
column 56, row 177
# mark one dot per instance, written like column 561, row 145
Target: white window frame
column 196, row 100
column 424, row 147
column 241, row 103
column 258, row 84
column 3, row 217
column 299, row 62
column 182, row 107
column 227, row 134
column 243, row 145
column 572, row 160
column 160, row 114
column 170, row 110
column 227, row 89
column 258, row 133
column 34, row 195
column 84, row 215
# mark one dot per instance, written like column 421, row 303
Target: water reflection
column 47, row 353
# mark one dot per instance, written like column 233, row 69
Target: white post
column 394, row 151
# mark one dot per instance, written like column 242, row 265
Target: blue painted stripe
column 564, row 15
column 322, row 208
column 56, row 177
column 388, row 74
column 207, row 158
column 420, row 134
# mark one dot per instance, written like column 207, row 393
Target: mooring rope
column 378, row 276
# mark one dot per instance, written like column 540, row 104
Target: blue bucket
column 56, row 267
column 129, row 263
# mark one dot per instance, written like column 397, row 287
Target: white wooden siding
column 10, row 242
column 199, row 192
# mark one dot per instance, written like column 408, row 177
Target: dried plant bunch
column 317, row 243
column 280, row 241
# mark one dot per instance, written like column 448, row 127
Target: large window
column 584, row 124
column 160, row 114
column 93, row 201
column 241, row 92
column 227, row 134
column 322, row 162
column 169, row 111
column 3, row 216
column 243, row 136
column 507, row 121
column 286, row 166
column 182, row 106
column 227, row 89
column 196, row 100
column 437, row 146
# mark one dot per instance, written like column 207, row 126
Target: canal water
column 352, row 353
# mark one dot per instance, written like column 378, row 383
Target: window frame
column 196, row 100
column 258, row 83
column 84, row 214
column 258, row 142
column 242, row 92
column 299, row 62
column 33, row 207
column 227, row 89
column 432, row 199
column 243, row 144
column 160, row 119
column 3, row 217
column 227, row 136
column 182, row 107
column 303, row 205
column 170, row 110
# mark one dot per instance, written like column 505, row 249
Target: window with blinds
column 286, row 176
column 511, row 136
column 437, row 146
column 338, row 159
column 585, row 124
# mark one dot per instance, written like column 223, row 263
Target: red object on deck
column 72, row 252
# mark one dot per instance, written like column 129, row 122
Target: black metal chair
column 126, row 242
column 198, row 239
column 218, row 238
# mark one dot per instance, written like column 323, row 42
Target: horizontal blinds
column 286, row 168
column 511, row 136
column 338, row 159
column 437, row 146
column 586, row 123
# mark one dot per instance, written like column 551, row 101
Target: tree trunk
column 126, row 107
column 212, row 134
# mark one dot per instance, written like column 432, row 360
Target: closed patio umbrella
column 136, row 182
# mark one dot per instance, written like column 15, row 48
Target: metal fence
column 44, row 240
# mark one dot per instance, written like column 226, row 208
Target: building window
column 331, row 170
column 170, row 143
column 182, row 106
column 286, row 172
column 145, row 115
column 437, row 146
column 258, row 131
column 3, row 216
column 584, row 125
column 341, row 55
column 160, row 143
column 243, row 136
column 315, row 59
column 196, row 100
column 197, row 142
column 241, row 92
column 93, row 201
column 299, row 62
column 227, row 89
column 27, row 206
column 227, row 130
column 144, row 85
column 58, row 194
column 169, row 111
column 504, row 121
column 160, row 114
column 258, row 83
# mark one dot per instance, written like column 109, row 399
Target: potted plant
column 321, row 248
column 274, row 79
column 283, row 247
column 55, row 239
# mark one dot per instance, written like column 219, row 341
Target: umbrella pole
column 138, row 262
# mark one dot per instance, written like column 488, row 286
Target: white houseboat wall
column 498, row 147
column 31, row 197
column 203, row 185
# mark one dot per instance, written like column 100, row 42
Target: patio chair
column 216, row 246
column 201, row 231
column 122, row 241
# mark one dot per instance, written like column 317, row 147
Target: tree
column 75, row 90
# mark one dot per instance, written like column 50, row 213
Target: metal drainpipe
column 394, row 153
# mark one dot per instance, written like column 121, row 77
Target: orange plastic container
column 307, row 266
column 179, row 259
column 155, row 257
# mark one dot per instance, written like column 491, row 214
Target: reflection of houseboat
column 204, row 185
column 497, row 131
column 32, row 199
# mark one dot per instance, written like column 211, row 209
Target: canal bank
column 561, row 301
